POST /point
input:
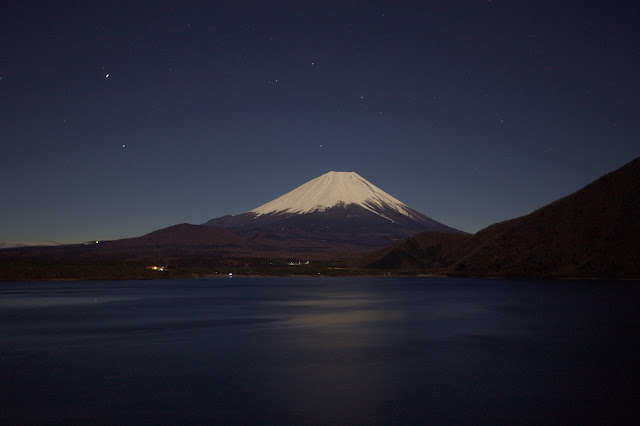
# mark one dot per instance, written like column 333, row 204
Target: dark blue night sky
column 120, row 118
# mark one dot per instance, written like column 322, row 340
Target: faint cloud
column 14, row 244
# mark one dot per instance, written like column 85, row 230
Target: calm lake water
column 318, row 350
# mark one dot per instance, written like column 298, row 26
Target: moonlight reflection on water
column 316, row 350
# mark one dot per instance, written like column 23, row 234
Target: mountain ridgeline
column 344, row 224
column 592, row 233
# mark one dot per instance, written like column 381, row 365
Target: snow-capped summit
column 333, row 189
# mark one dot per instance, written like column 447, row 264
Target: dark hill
column 426, row 251
column 594, row 232
column 186, row 250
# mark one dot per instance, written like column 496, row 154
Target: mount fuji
column 335, row 209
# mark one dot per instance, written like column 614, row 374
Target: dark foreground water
column 314, row 350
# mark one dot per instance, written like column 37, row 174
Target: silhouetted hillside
column 425, row 251
column 594, row 232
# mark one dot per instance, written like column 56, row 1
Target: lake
column 320, row 350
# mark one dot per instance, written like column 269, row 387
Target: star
column 106, row 76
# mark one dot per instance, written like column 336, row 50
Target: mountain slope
column 332, row 210
column 594, row 232
column 182, row 235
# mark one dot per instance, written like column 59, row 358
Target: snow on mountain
column 333, row 189
column 335, row 211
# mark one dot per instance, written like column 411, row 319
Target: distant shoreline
column 323, row 276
